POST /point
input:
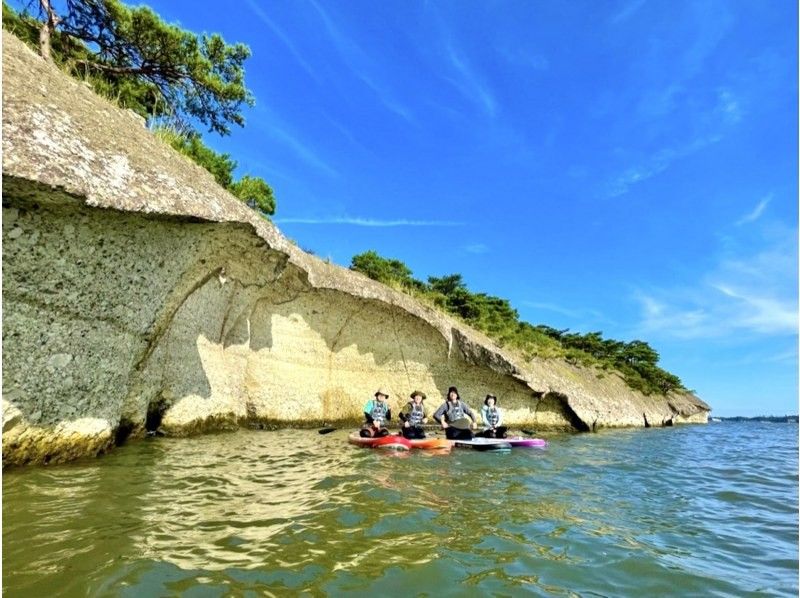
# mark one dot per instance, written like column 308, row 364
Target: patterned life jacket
column 492, row 416
column 454, row 411
column 379, row 410
column 416, row 414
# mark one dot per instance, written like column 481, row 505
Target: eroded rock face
column 138, row 294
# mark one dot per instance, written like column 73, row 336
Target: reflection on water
column 672, row 512
column 231, row 500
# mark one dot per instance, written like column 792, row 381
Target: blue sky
column 624, row 166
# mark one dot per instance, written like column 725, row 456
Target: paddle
column 327, row 430
column 463, row 423
column 528, row 432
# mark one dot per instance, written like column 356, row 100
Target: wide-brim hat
column 382, row 391
column 420, row 393
column 489, row 396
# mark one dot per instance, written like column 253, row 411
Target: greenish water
column 695, row 510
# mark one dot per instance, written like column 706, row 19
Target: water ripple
column 697, row 510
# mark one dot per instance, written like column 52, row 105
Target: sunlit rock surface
column 139, row 295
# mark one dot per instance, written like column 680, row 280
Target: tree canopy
column 381, row 269
column 169, row 76
column 636, row 360
column 254, row 191
column 162, row 70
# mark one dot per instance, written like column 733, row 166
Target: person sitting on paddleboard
column 492, row 417
column 452, row 416
column 376, row 412
column 413, row 415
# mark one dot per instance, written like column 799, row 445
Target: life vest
column 454, row 412
column 416, row 414
column 492, row 416
column 379, row 410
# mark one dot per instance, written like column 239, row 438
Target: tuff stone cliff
column 139, row 294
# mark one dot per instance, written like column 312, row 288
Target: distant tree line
column 636, row 361
column 175, row 79
column 776, row 419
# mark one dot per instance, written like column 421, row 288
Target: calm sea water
column 694, row 510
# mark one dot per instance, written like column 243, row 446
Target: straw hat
column 420, row 393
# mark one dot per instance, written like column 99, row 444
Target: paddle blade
column 463, row 423
column 327, row 430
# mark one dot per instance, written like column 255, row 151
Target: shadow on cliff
column 376, row 335
column 173, row 307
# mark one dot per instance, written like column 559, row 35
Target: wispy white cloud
column 626, row 12
column 636, row 174
column 552, row 307
column 359, row 63
column 762, row 313
column 708, row 24
column 347, row 133
column 656, row 164
column 674, row 94
column 681, row 321
column 752, row 295
column 657, row 103
column 776, row 353
column 574, row 314
column 729, row 106
column 256, row 8
column 305, row 153
column 715, row 119
column 756, row 213
column 710, row 315
column 273, row 126
column 343, row 43
column 789, row 356
column 477, row 248
column 669, row 68
column 367, row 222
column 469, row 83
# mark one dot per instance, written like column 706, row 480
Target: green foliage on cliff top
column 161, row 72
column 636, row 360
column 254, row 191
column 161, row 69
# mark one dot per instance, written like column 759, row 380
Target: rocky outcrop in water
column 138, row 295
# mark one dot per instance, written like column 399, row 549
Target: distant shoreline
column 758, row 418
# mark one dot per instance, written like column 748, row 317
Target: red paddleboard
column 431, row 443
column 397, row 443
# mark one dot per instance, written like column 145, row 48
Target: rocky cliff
column 138, row 294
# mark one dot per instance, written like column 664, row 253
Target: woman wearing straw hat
column 413, row 415
column 376, row 411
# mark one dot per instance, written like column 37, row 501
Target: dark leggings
column 499, row 432
column 456, row 434
column 413, row 432
column 372, row 432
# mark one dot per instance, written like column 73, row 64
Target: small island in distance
column 781, row 419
